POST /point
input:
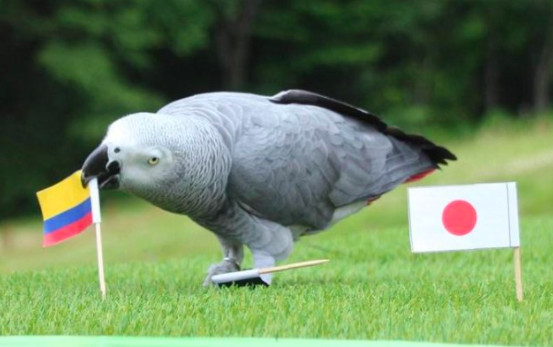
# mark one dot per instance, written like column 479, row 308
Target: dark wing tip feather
column 438, row 154
column 298, row 96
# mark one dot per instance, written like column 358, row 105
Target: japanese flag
column 451, row 218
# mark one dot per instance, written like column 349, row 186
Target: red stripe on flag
column 67, row 231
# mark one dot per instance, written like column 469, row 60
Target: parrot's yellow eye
column 153, row 161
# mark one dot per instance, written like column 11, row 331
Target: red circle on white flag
column 459, row 217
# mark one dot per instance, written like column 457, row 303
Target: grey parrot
column 259, row 171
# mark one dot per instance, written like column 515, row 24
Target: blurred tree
column 544, row 61
column 69, row 67
column 233, row 30
column 519, row 53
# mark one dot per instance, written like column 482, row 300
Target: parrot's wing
column 284, row 167
column 437, row 154
column 299, row 156
column 297, row 163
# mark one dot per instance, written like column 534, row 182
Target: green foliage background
column 70, row 67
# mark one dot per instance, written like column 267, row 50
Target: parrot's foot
column 267, row 278
column 227, row 265
column 263, row 260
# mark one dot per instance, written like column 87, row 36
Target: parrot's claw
column 225, row 266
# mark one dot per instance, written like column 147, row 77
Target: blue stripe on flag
column 67, row 217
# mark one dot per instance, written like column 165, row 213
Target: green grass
column 373, row 288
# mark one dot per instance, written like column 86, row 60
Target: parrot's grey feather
column 437, row 154
column 260, row 171
column 296, row 164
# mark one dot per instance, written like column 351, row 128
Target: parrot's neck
column 196, row 183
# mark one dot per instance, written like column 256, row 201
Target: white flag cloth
column 464, row 217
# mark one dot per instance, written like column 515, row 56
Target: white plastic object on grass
column 248, row 274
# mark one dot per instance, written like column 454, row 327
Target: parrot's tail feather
column 419, row 176
column 372, row 199
column 437, row 154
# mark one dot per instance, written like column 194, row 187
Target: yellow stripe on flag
column 62, row 196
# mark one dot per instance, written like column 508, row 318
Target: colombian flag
column 66, row 209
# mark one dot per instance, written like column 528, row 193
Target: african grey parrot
column 259, row 171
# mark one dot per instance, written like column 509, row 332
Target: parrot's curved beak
column 97, row 165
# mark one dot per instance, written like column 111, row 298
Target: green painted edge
column 135, row 341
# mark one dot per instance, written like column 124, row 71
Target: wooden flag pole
column 518, row 274
column 97, row 219
column 100, row 260
column 267, row 270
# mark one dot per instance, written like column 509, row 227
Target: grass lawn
column 373, row 288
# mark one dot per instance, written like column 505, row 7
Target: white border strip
column 514, row 228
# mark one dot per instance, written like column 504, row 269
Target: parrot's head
column 167, row 160
column 138, row 154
